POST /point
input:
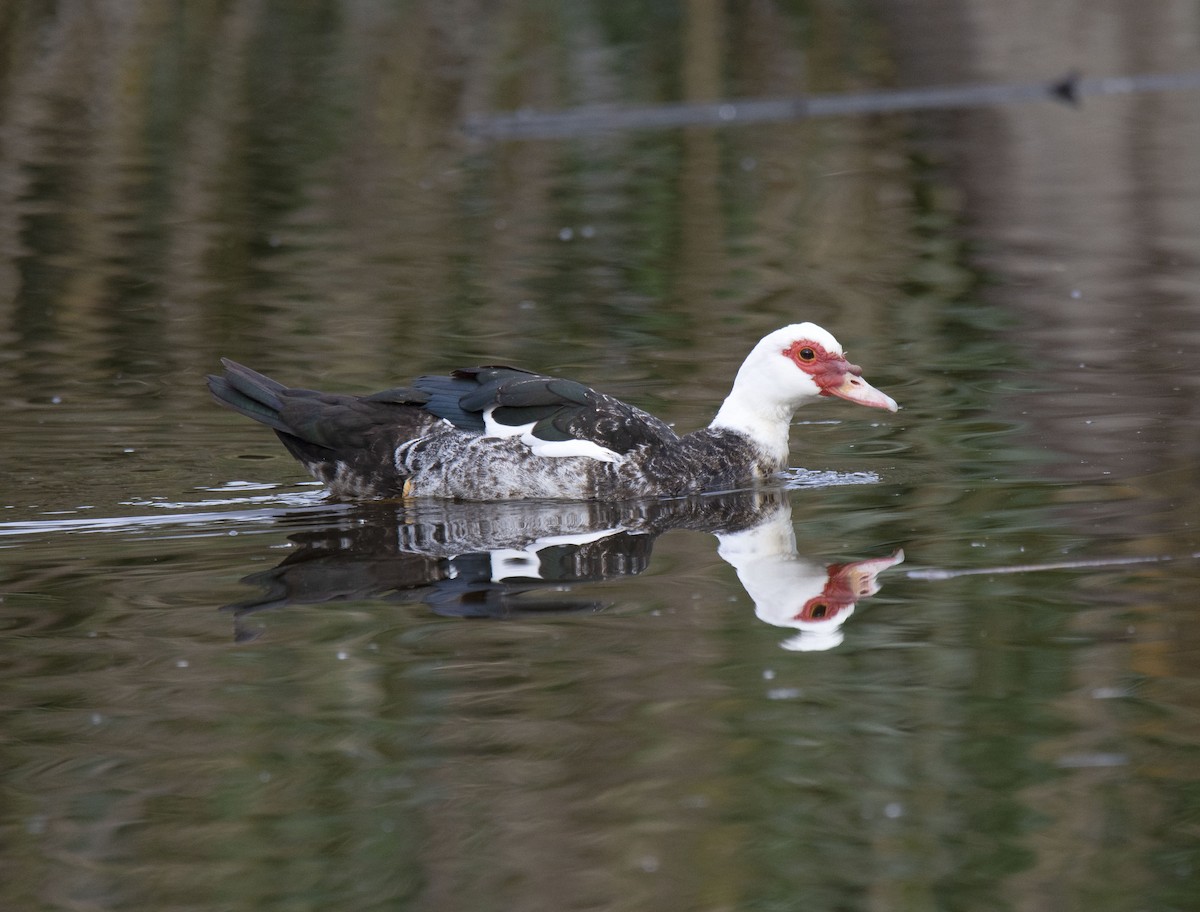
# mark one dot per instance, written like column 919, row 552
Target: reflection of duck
column 497, row 433
column 459, row 561
column 464, row 560
column 789, row 591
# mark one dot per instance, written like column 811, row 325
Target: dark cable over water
column 1111, row 563
column 1071, row 89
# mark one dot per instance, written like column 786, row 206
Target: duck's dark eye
column 819, row 611
column 807, row 354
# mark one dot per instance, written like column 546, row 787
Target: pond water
column 222, row 690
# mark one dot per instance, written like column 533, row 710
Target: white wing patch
column 550, row 449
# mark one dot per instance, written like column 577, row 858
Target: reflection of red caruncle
column 847, row 583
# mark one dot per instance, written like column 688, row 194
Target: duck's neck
column 766, row 423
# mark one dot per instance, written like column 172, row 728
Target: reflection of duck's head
column 789, row 591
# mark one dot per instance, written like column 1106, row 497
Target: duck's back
column 484, row 433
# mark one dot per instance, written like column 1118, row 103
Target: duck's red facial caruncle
column 835, row 375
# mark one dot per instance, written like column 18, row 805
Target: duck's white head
column 783, row 371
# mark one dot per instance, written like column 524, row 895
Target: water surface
column 224, row 691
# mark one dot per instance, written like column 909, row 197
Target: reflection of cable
column 1071, row 88
column 1101, row 563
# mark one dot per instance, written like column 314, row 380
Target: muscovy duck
column 501, row 433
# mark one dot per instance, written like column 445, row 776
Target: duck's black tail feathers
column 344, row 441
column 251, row 394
